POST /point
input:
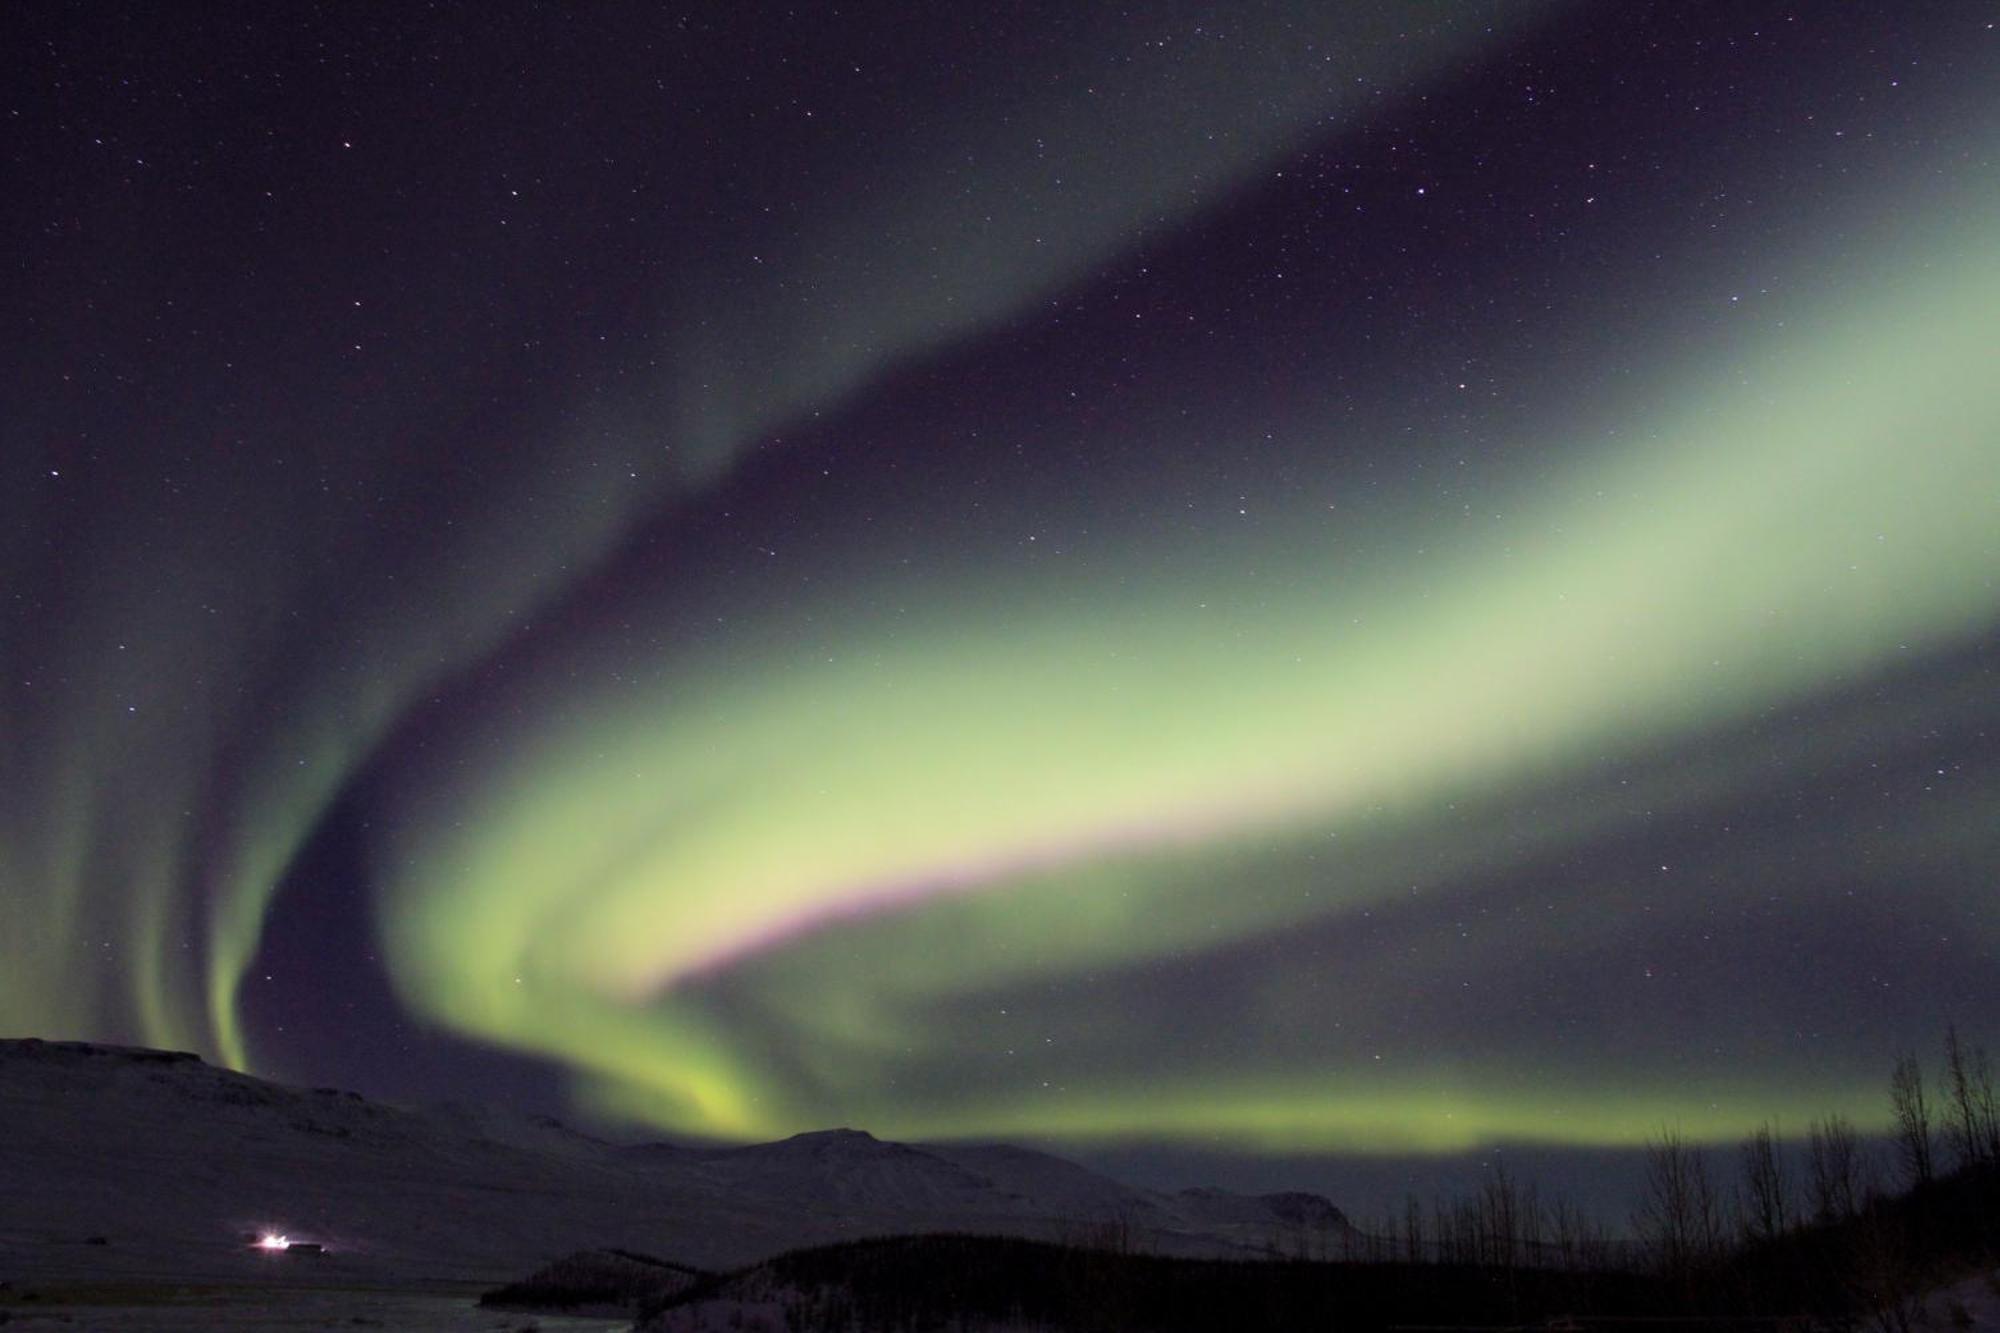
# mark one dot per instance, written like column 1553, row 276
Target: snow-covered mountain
column 118, row 1160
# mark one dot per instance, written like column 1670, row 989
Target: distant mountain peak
column 840, row 1135
column 30, row 1048
column 177, row 1161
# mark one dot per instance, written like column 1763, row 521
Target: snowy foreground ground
column 160, row 1309
column 1973, row 1304
column 1968, row 1306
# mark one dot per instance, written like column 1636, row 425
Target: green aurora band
column 869, row 852
column 140, row 862
column 918, row 872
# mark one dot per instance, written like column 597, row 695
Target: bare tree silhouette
column 1914, row 1135
column 1766, row 1192
column 1834, row 1158
column 1679, row 1217
column 1972, row 1115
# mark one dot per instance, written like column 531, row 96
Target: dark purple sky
column 1273, row 594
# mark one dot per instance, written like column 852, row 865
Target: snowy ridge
column 121, row 1160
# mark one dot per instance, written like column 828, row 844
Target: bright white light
column 271, row 1241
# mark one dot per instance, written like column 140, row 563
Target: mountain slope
column 175, row 1167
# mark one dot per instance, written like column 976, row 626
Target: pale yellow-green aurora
column 1355, row 579
column 161, row 833
column 1076, row 771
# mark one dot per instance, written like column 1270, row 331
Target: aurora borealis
column 1374, row 579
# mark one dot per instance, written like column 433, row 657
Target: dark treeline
column 1840, row 1233
column 1765, row 1235
column 1507, row 1225
column 952, row 1282
column 1825, row 1228
column 609, row 1278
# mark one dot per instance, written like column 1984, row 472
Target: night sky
column 1216, row 584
